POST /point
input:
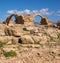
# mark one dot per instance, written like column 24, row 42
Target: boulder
column 2, row 28
column 13, row 32
column 8, row 39
column 27, row 39
column 28, row 28
column 36, row 38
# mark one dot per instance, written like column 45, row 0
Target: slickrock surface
column 29, row 44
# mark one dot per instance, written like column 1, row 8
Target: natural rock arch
column 27, row 20
column 10, row 18
column 39, row 15
column 18, row 19
column 44, row 20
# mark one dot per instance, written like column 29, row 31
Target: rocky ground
column 29, row 44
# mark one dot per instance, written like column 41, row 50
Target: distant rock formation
column 27, row 20
column 45, row 21
column 58, row 23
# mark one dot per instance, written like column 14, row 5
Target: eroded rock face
column 2, row 28
column 30, row 34
column 26, row 39
column 32, row 44
column 45, row 21
column 8, row 39
column 28, row 20
column 11, row 23
column 20, row 19
column 14, row 31
column 58, row 23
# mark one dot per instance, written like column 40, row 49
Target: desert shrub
column 36, row 42
column 29, row 46
column 37, row 47
column 10, row 54
column 58, row 36
column 2, row 44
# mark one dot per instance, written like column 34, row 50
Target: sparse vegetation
column 10, row 54
column 36, row 42
column 37, row 47
column 45, row 34
column 58, row 35
column 1, row 44
column 29, row 46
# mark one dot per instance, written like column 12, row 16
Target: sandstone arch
column 9, row 19
column 18, row 19
column 27, row 20
column 44, row 20
column 38, row 15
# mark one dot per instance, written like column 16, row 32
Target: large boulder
column 8, row 39
column 28, row 28
column 2, row 28
column 27, row 39
column 36, row 38
column 13, row 32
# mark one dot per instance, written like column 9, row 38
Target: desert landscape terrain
column 22, row 41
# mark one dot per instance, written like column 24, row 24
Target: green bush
column 37, row 42
column 1, row 44
column 37, row 47
column 10, row 54
column 58, row 36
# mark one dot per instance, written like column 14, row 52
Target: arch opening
column 19, row 20
column 43, row 21
column 20, row 41
column 13, row 19
column 37, row 20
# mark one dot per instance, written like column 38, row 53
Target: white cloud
column 13, row 12
column 26, row 11
column 35, row 12
column 44, row 11
column 10, row 11
column 57, row 13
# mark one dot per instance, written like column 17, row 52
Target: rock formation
column 20, row 19
column 20, row 42
column 27, row 19
column 58, row 23
column 45, row 21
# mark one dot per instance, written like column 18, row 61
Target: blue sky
column 50, row 8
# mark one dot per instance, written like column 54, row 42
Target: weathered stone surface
column 13, row 31
column 33, row 44
column 27, row 20
column 36, row 38
column 28, row 28
column 58, row 23
column 2, row 28
column 45, row 21
column 11, row 23
column 27, row 39
column 8, row 39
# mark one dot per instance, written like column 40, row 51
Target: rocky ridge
column 29, row 44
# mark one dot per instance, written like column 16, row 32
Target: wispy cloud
column 57, row 13
column 13, row 12
column 26, row 11
column 43, row 11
